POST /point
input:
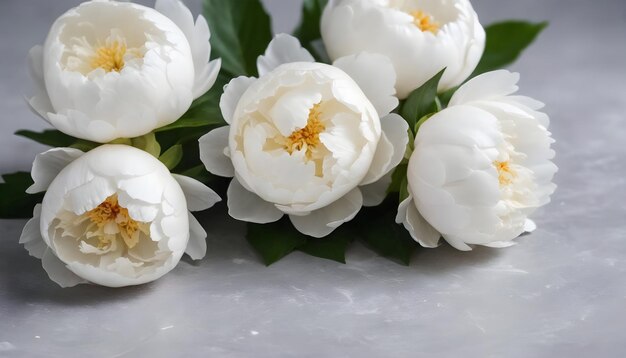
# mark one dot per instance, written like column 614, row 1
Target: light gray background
column 560, row 292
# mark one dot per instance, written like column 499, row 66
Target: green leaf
column 84, row 145
column 332, row 247
column 505, row 42
column 240, row 32
column 445, row 97
column 404, row 189
column 399, row 174
column 423, row 119
column 198, row 172
column 48, row 137
column 275, row 240
column 204, row 111
column 172, row 157
column 422, row 101
column 309, row 29
column 147, row 143
column 379, row 231
column 54, row 138
column 15, row 203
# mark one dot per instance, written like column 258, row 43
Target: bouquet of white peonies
column 389, row 122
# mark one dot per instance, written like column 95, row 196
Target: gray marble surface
column 561, row 292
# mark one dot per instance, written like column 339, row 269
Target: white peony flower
column 421, row 37
column 113, row 70
column 480, row 167
column 114, row 216
column 306, row 139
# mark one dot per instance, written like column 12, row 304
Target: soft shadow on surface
column 23, row 278
column 33, row 284
column 446, row 259
column 230, row 255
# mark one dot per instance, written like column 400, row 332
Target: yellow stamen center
column 425, row 21
column 505, row 173
column 110, row 212
column 110, row 57
column 308, row 136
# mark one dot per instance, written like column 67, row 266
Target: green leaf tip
column 505, row 43
column 422, row 101
column 240, row 32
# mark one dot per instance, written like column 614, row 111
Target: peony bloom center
column 309, row 136
column 111, row 220
column 110, row 57
column 506, row 175
column 425, row 22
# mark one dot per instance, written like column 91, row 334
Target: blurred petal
column 213, row 146
column 488, row 86
column 58, row 271
column 196, row 248
column 374, row 194
column 232, row 93
column 375, row 74
column 199, row 196
column 282, row 49
column 247, row 206
column 382, row 159
column 529, row 226
column 390, row 149
column 31, row 235
column 420, row 230
column 198, row 35
column 40, row 102
column 322, row 222
column 47, row 166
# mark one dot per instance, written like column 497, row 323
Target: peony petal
column 420, row 230
column 147, row 188
column 322, row 222
column 176, row 11
column 500, row 244
column 282, row 49
column 48, row 165
column 232, row 93
column 380, row 162
column 40, row 102
column 458, row 243
column 291, row 111
column 31, row 235
column 198, row 36
column 80, row 125
column 397, row 131
column 376, row 76
column 199, row 196
column 390, row 149
column 89, row 195
column 196, row 247
column 490, row 85
column 212, row 152
column 35, row 67
column 529, row 226
column 247, row 206
column 58, row 271
column 375, row 193
column 206, row 79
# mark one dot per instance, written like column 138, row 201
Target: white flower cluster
column 313, row 141
column 116, row 216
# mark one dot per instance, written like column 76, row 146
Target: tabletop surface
column 560, row 292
